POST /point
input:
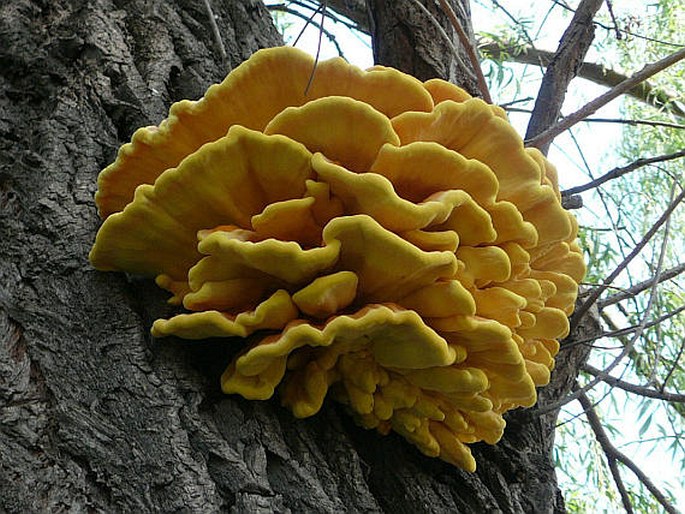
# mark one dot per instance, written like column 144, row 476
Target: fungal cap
column 388, row 240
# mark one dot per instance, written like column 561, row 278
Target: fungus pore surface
column 387, row 241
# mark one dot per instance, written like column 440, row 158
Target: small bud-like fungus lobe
column 387, row 240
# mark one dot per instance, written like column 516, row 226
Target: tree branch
column 634, row 388
column 563, row 67
column 594, row 72
column 640, row 286
column 623, row 170
column 614, row 456
column 621, row 121
column 543, row 139
column 611, row 453
column 597, row 291
column 620, row 332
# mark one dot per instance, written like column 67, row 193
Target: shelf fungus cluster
column 384, row 239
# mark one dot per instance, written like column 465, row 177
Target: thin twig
column 622, row 121
column 610, row 7
column 507, row 106
column 306, row 24
column 634, row 388
column 676, row 360
column 615, row 456
column 310, row 21
column 599, row 229
column 638, row 333
column 595, row 294
column 623, row 331
column 620, row 171
column 469, row 48
column 318, row 48
column 518, row 26
column 651, row 69
column 215, row 33
column 648, row 123
column 631, row 292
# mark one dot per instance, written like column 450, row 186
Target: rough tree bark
column 97, row 416
column 405, row 39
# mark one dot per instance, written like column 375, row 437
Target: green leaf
column 645, row 425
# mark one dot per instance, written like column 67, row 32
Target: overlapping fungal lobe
column 385, row 240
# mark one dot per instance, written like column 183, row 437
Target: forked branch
column 548, row 135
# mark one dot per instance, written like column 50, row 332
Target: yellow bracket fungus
column 387, row 241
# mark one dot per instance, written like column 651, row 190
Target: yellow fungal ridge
column 228, row 182
column 379, row 240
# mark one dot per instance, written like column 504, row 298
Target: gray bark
column 97, row 416
column 405, row 39
column 562, row 69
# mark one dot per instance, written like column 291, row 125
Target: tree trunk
column 405, row 38
column 97, row 416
